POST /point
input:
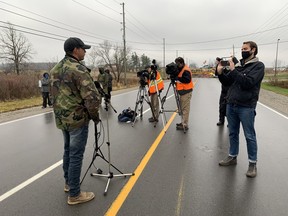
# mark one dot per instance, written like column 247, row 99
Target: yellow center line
column 118, row 202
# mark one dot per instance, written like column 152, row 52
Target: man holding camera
column 184, row 87
column 242, row 97
column 76, row 101
column 224, row 90
column 156, row 85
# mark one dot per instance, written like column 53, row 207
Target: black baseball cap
column 74, row 42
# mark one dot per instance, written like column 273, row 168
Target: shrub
column 21, row 86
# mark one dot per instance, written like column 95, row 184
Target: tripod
column 98, row 152
column 142, row 96
column 177, row 98
column 163, row 116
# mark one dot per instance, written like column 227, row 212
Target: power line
column 56, row 21
column 44, row 36
column 152, row 33
column 37, row 20
column 96, row 11
column 107, row 6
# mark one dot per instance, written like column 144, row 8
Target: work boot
column 228, row 161
column 81, row 198
column 181, row 127
column 220, row 123
column 178, row 124
column 252, row 170
column 66, row 188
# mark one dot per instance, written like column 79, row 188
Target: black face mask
column 246, row 54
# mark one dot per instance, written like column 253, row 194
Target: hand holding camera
column 226, row 62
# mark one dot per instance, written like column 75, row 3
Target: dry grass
column 13, row 105
column 8, row 106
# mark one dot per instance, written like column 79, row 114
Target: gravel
column 270, row 99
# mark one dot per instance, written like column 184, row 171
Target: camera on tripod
column 172, row 70
column 143, row 77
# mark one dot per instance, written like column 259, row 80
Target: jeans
column 246, row 116
column 74, row 146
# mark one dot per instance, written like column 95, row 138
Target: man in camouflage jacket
column 76, row 101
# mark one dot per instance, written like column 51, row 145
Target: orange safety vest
column 159, row 81
column 184, row 86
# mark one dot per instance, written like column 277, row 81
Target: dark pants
column 223, row 103
column 109, row 92
column 46, row 98
column 222, row 106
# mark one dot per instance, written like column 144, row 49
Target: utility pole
column 164, row 54
column 124, row 44
column 276, row 59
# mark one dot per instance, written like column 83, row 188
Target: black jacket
column 244, row 82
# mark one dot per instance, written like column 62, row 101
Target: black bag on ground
column 127, row 115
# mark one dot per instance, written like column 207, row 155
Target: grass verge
column 8, row 106
column 275, row 89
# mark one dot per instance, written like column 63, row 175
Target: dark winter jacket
column 45, row 83
column 244, row 82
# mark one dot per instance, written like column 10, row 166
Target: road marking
column 116, row 205
column 29, row 181
column 273, row 110
column 20, row 119
column 180, row 197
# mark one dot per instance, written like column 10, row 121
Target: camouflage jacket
column 76, row 99
column 103, row 79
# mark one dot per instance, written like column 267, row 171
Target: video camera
column 172, row 70
column 225, row 62
column 143, row 77
column 154, row 66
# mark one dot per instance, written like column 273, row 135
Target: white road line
column 273, row 110
column 20, row 119
column 42, row 173
column 29, row 181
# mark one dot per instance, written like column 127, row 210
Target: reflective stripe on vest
column 160, row 84
column 184, row 86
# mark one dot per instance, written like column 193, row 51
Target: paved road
column 175, row 173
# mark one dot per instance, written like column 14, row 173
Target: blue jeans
column 246, row 116
column 74, row 147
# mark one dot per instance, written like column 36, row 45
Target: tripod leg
column 138, row 101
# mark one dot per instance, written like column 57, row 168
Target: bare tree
column 15, row 47
column 112, row 56
column 92, row 58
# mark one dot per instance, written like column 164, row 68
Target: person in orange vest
column 184, row 87
column 154, row 80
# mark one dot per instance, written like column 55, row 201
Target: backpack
column 127, row 115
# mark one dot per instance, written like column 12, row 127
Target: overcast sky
column 196, row 30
